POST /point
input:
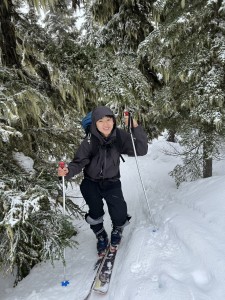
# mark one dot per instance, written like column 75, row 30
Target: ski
column 97, row 268
column 102, row 281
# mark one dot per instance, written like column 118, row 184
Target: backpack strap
column 89, row 137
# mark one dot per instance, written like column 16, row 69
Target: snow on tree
column 186, row 49
column 115, row 29
column 164, row 59
column 39, row 114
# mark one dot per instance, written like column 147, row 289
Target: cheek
column 112, row 124
column 99, row 126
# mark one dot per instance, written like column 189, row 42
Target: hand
column 62, row 171
column 126, row 119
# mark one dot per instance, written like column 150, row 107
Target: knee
column 127, row 222
column 92, row 221
column 122, row 222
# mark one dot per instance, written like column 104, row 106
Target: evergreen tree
column 115, row 29
column 186, row 50
column 164, row 59
column 39, row 107
column 178, row 58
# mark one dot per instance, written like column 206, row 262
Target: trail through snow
column 184, row 259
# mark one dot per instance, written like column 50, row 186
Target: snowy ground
column 183, row 260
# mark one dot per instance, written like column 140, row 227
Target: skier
column 101, row 172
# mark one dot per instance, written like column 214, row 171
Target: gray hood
column 97, row 114
column 100, row 112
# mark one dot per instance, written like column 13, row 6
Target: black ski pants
column 94, row 193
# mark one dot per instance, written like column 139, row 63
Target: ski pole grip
column 61, row 164
column 130, row 120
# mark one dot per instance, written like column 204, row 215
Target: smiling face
column 105, row 125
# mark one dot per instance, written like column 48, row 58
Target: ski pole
column 64, row 282
column 130, row 126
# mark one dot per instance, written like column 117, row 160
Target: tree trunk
column 207, row 160
column 171, row 136
column 9, row 55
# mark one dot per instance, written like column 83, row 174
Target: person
column 102, row 174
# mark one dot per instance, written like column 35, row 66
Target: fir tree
column 115, row 29
column 178, row 58
column 40, row 110
column 186, row 50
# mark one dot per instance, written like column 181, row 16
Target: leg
column 117, row 209
column 117, row 206
column 92, row 196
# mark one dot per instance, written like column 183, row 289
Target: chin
column 106, row 134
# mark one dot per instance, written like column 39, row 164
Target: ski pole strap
column 130, row 121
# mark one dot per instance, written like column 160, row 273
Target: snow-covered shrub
column 190, row 170
column 196, row 149
column 32, row 229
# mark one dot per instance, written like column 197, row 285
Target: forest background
column 163, row 60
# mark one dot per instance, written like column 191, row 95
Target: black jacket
column 104, row 165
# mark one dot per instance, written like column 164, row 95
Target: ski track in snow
column 184, row 259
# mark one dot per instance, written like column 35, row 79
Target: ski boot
column 116, row 236
column 102, row 243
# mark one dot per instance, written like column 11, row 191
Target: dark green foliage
column 39, row 117
column 164, row 60
column 186, row 51
column 40, row 237
column 124, row 24
column 32, row 225
column 190, row 61
column 196, row 149
column 115, row 29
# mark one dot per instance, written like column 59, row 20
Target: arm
column 139, row 136
column 140, row 141
column 80, row 160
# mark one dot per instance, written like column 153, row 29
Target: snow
column 25, row 162
column 211, row 2
column 184, row 259
column 6, row 132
